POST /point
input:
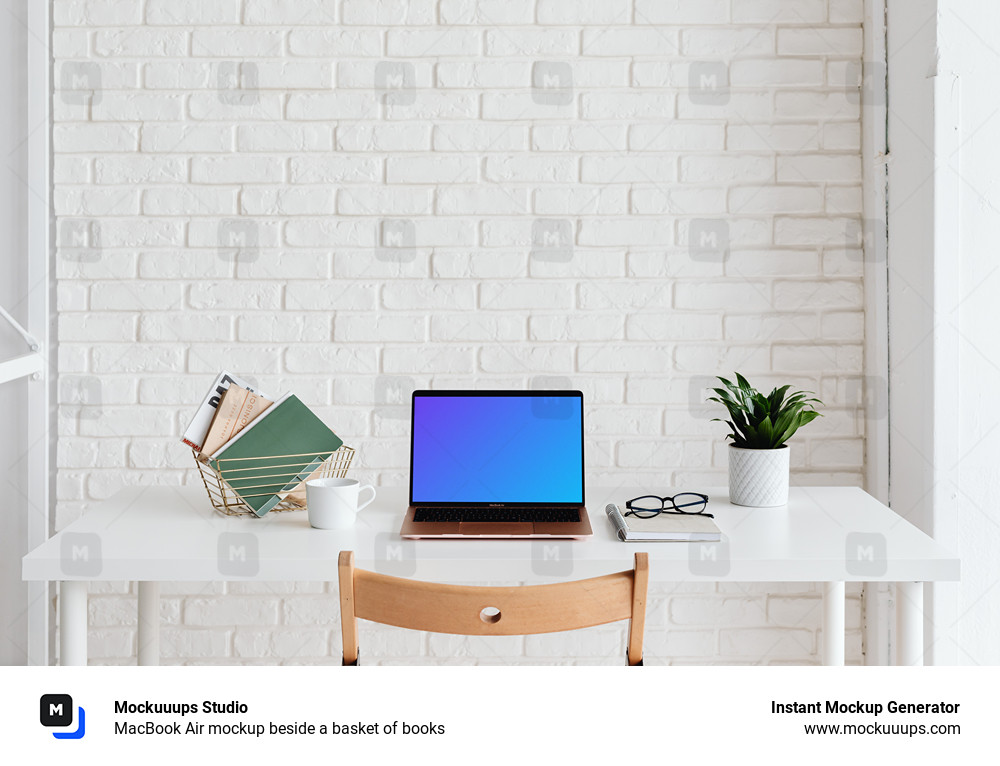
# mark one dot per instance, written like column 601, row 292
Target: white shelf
column 26, row 364
column 21, row 367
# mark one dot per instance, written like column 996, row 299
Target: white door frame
column 874, row 388
column 41, row 388
column 27, row 371
column 924, row 290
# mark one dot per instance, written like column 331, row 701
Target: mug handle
column 370, row 500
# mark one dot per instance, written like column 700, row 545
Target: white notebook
column 664, row 527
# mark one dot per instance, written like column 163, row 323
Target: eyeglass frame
column 663, row 509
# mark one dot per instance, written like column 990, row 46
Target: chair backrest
column 492, row 611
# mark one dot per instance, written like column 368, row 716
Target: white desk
column 831, row 535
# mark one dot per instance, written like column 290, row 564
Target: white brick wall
column 456, row 193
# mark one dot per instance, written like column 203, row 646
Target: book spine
column 238, row 408
column 194, row 435
column 617, row 521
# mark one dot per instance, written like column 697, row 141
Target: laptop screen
column 493, row 447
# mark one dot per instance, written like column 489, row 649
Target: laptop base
column 465, row 530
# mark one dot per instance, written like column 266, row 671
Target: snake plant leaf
column 801, row 396
column 767, row 430
column 761, row 401
column 731, row 426
column 775, row 398
column 725, row 401
column 731, row 407
column 790, row 428
column 724, row 394
column 808, row 417
column 802, row 418
column 785, row 419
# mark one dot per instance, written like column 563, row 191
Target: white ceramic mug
column 333, row 503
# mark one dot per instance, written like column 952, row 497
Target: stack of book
column 263, row 448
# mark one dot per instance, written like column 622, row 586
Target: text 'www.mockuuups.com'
column 864, row 717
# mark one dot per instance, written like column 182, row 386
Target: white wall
column 944, row 349
column 969, row 52
column 270, row 120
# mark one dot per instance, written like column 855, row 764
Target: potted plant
column 760, row 425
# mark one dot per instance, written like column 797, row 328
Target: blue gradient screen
column 497, row 449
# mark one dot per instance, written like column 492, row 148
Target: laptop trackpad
column 495, row 528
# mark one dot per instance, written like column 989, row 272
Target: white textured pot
column 758, row 477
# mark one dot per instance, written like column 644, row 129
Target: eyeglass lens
column 682, row 503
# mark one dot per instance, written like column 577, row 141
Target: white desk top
column 173, row 533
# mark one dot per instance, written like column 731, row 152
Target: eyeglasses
column 686, row 503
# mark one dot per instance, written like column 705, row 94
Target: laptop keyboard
column 537, row 514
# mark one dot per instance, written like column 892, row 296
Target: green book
column 276, row 452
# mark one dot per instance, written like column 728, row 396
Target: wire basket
column 226, row 500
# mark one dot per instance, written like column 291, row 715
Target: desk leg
column 833, row 623
column 909, row 623
column 149, row 623
column 73, row 622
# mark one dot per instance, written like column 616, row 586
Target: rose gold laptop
column 496, row 464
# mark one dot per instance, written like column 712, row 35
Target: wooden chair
column 489, row 611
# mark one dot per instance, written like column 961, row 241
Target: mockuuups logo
column 552, row 558
column 56, row 711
